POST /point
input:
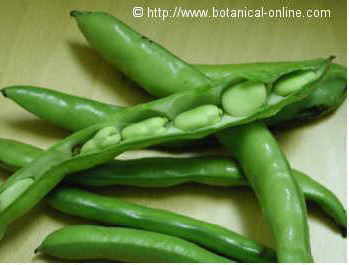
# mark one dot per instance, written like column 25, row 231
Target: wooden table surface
column 40, row 45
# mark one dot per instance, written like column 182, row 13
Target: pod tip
column 332, row 57
column 3, row 92
column 344, row 232
column 76, row 13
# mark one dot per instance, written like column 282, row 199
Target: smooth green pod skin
column 329, row 203
column 122, row 47
column 38, row 188
column 67, row 111
column 64, row 158
column 91, row 242
column 292, row 248
column 50, row 105
column 279, row 195
column 157, row 172
column 48, row 102
column 329, row 94
column 15, row 155
column 286, row 254
column 15, row 191
column 113, row 211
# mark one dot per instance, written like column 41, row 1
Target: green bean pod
column 67, row 157
column 87, row 148
column 91, row 242
column 243, row 99
column 70, row 112
column 15, row 155
column 329, row 94
column 210, row 96
column 277, row 190
column 157, row 172
column 112, row 211
column 99, row 28
column 188, row 100
column 124, row 47
column 327, row 200
column 75, row 113
column 293, row 246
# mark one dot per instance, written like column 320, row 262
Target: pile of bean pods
column 234, row 105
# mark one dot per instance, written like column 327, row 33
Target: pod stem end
column 344, row 232
column 3, row 92
column 76, row 13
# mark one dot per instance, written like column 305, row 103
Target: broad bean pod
column 91, row 242
column 30, row 184
column 156, row 172
column 291, row 247
column 277, row 190
column 129, row 51
column 113, row 211
column 75, row 113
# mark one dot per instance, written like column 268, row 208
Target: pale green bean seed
column 89, row 146
column 105, row 132
column 199, row 117
column 104, row 137
column 293, row 82
column 148, row 127
column 245, row 98
column 13, row 192
column 110, row 140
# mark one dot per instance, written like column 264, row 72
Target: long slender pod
column 70, row 112
column 290, row 248
column 75, row 113
column 278, row 193
column 91, row 242
column 113, row 211
column 158, row 172
column 130, row 52
column 186, row 115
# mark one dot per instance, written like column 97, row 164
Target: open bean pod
column 194, row 114
column 158, row 172
column 186, row 115
column 75, row 113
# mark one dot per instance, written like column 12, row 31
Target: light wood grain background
column 40, row 45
